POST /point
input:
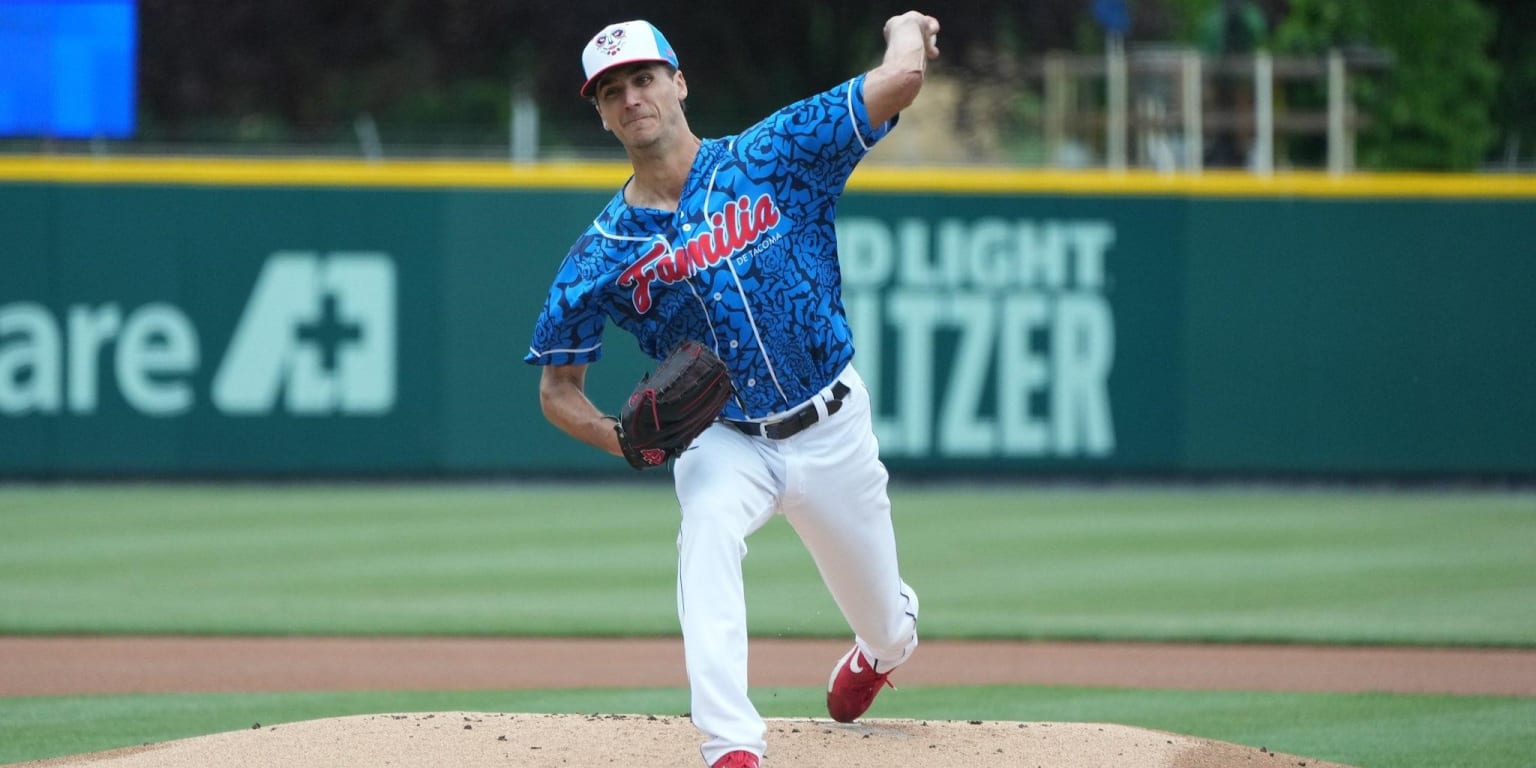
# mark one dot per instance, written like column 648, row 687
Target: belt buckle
column 789, row 425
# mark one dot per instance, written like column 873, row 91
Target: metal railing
column 1160, row 107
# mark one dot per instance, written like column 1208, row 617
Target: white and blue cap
column 627, row 42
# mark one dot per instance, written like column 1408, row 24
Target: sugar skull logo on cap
column 610, row 42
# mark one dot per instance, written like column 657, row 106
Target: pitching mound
column 476, row 740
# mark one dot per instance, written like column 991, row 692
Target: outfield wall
column 290, row 318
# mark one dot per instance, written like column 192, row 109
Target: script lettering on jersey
column 732, row 231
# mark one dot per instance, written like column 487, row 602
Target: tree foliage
column 1514, row 53
column 442, row 71
column 1432, row 107
column 303, row 70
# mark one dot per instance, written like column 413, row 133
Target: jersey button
column 717, row 297
column 733, row 343
column 687, row 227
column 751, row 382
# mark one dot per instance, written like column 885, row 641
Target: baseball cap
column 623, row 43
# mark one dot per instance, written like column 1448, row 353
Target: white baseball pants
column 830, row 485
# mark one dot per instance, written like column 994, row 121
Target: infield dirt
column 482, row 740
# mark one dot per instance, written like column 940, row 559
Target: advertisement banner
column 289, row 330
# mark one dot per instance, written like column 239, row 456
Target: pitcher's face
column 642, row 104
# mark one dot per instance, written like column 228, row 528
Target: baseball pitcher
column 720, row 257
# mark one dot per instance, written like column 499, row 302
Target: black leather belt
column 792, row 425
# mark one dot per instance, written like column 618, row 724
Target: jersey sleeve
column 569, row 330
column 867, row 134
column 820, row 139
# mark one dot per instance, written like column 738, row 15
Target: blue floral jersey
column 747, row 264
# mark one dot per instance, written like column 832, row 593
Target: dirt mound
column 475, row 739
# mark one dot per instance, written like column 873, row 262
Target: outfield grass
column 1134, row 564
column 1220, row 565
column 1367, row 730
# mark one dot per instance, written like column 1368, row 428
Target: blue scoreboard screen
column 68, row 68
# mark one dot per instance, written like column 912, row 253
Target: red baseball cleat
column 853, row 687
column 737, row 759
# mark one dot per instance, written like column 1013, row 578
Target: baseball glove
column 672, row 405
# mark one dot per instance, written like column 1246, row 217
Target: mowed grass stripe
column 1246, row 565
column 1019, row 561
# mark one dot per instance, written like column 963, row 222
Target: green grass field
column 1246, row 564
